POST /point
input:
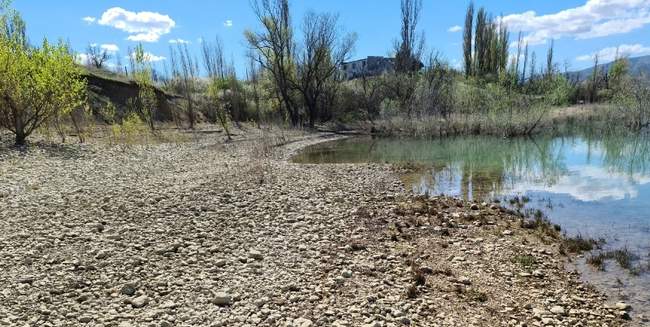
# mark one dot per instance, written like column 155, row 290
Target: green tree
column 38, row 83
column 141, row 70
column 467, row 39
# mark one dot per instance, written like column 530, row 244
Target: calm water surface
column 594, row 186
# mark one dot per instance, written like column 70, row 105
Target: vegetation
column 294, row 78
column 38, row 83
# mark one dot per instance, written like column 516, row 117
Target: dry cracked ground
column 205, row 233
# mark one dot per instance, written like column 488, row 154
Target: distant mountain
column 639, row 66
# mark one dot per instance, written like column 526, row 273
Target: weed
column 526, row 261
column 578, row 244
column 411, row 292
column 476, row 296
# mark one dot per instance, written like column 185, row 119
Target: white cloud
column 81, row 58
column 609, row 54
column 110, row 47
column 150, row 57
column 200, row 40
column 89, row 19
column 179, row 41
column 227, row 23
column 144, row 26
column 596, row 18
column 455, row 29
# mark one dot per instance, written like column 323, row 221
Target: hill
column 639, row 66
column 105, row 86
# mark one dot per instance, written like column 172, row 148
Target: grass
column 579, row 244
column 476, row 296
column 624, row 257
column 526, row 261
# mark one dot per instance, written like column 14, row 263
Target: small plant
column 578, row 245
column 477, row 296
column 526, row 261
column 411, row 292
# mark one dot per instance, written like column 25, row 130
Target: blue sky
column 580, row 27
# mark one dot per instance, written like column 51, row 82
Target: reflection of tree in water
column 481, row 167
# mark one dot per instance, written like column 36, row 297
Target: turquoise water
column 596, row 186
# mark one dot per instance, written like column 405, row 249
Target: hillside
column 105, row 87
column 639, row 66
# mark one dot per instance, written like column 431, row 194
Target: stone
column 506, row 232
column 346, row 274
column 85, row 319
column 140, row 301
column 128, row 289
column 256, row 255
column 623, row 306
column 220, row 263
column 302, row 322
column 558, row 310
column 222, row 299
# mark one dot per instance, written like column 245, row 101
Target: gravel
column 206, row 233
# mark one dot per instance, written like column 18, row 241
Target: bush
column 38, row 83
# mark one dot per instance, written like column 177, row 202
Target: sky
column 578, row 28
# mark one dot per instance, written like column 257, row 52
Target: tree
column 38, row 83
column 97, row 56
column 323, row 52
column 274, row 45
column 467, row 39
column 253, row 76
column 409, row 48
column 550, row 69
column 184, row 73
column 141, row 71
column 218, row 85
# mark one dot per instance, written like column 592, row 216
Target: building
column 371, row 66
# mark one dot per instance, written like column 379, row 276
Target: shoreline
column 206, row 236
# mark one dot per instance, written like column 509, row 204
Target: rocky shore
column 207, row 233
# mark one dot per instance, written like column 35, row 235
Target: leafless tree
column 184, row 72
column 275, row 47
column 323, row 52
column 97, row 57
column 253, row 76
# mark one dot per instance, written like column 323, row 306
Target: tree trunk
column 20, row 138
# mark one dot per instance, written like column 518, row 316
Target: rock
column 347, row 274
column 128, row 289
column 624, row 315
column 103, row 254
column 220, row 263
column 464, row 280
column 302, row 322
column 257, row 255
column 506, row 232
column 85, row 319
column 140, row 301
column 558, row 310
column 538, row 273
column 623, row 306
column 222, row 299
column 474, row 206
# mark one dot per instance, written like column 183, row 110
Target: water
column 594, row 186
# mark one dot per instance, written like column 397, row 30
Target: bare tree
column 324, row 51
column 97, row 57
column 214, row 64
column 184, row 71
column 253, row 76
column 275, row 47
